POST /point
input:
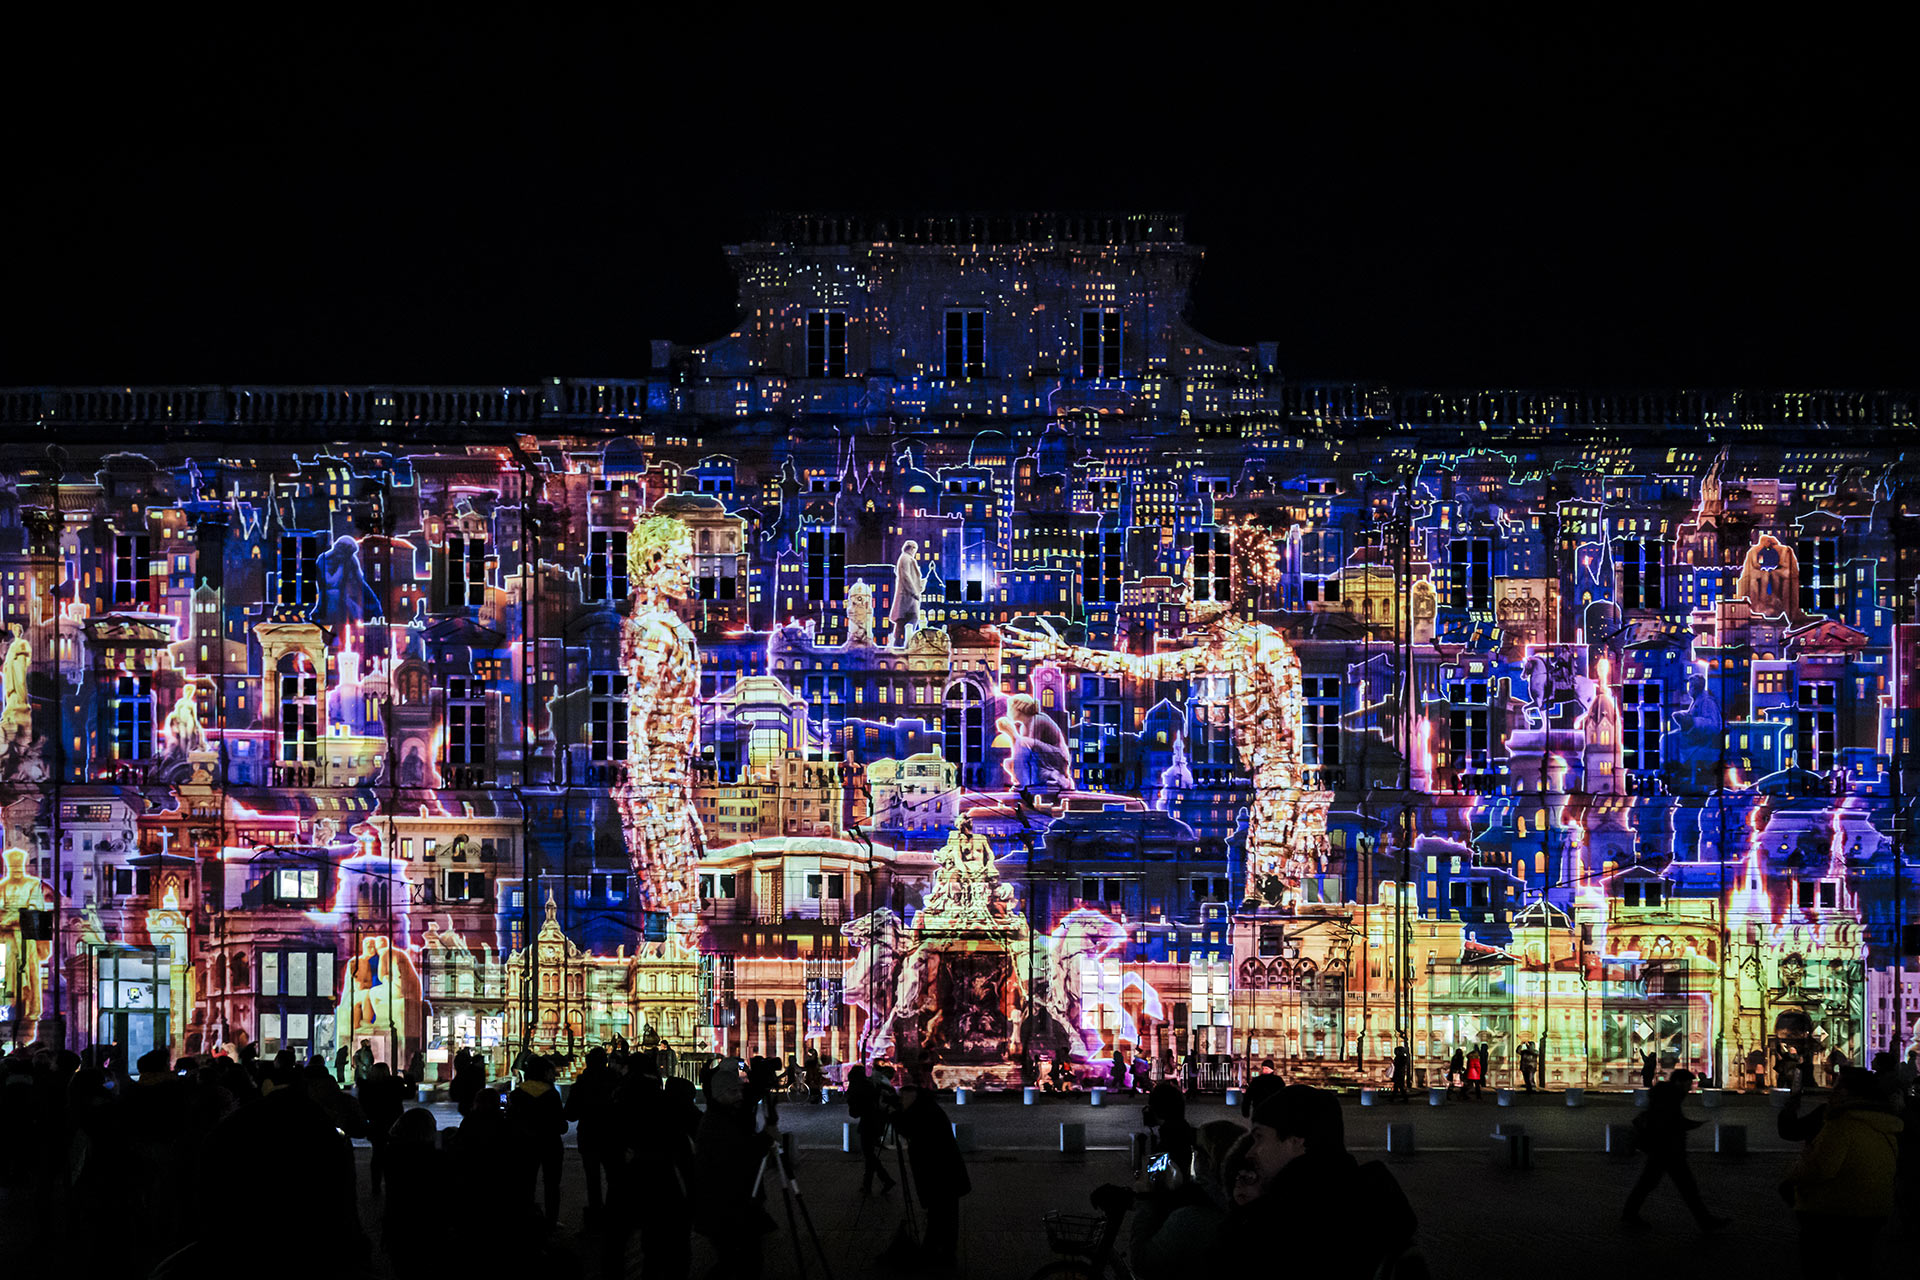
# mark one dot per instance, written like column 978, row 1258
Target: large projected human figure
column 21, row 892
column 662, row 662
column 1287, row 823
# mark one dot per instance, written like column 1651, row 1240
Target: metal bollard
column 849, row 1136
column 1640, row 1097
column 1073, row 1137
column 963, row 1135
column 1619, row 1140
column 1436, row 1097
column 1369, row 1097
column 1096, row 1097
column 1730, row 1140
column 1400, row 1139
column 1711, row 1097
column 1029, row 1096
column 1576, row 1097
column 1233, row 1097
column 960, row 1096
column 1504, row 1097
column 1138, row 1146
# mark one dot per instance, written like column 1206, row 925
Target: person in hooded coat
column 1842, row 1185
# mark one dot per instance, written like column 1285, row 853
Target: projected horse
column 872, row 976
column 1082, row 934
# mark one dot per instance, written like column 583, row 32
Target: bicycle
column 1088, row 1240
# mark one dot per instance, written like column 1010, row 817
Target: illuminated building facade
column 1574, row 720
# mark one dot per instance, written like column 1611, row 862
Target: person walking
column 869, row 1112
column 1528, row 1061
column 939, row 1171
column 1402, row 1072
column 1456, row 1071
column 1843, row 1184
column 1661, row 1131
column 341, row 1057
column 1472, row 1089
column 537, row 1123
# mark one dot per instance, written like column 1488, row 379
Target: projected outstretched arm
column 1286, row 824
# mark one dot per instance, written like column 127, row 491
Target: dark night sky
column 1427, row 208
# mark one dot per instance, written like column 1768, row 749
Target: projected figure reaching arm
column 662, row 661
column 1287, row 823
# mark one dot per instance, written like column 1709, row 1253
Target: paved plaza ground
column 1478, row 1219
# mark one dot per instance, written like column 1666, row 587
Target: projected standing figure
column 662, row 662
column 1287, row 826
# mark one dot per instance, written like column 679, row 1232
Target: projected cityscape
column 963, row 662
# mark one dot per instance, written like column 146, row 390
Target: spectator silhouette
column 1661, row 1132
column 362, row 1062
column 1456, row 1072
column 421, row 1197
column 939, row 1171
column 1402, row 1071
column 1166, row 1118
column 1843, row 1185
column 869, row 1112
column 469, row 1078
column 1649, row 1068
column 590, row 1104
column 728, row 1151
column 383, row 1099
column 536, row 1123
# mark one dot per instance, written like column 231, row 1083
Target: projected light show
column 962, row 663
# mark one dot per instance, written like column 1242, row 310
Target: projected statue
column 1288, row 822
column 904, row 613
column 20, row 977
column 662, row 661
column 16, row 717
column 859, row 613
column 1038, row 759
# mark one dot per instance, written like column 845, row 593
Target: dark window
column 1470, row 569
column 466, row 720
column 466, row 886
column 966, row 344
column 132, row 718
column 1101, row 561
column 1640, row 725
column 1100, row 343
column 826, row 344
column 606, row 565
column 1471, row 740
column 609, row 715
column 964, row 724
column 466, row 572
column 826, row 564
column 131, row 584
column 299, row 570
column 1820, row 574
column 1212, row 576
column 1321, row 707
column 1816, row 725
column 1641, row 579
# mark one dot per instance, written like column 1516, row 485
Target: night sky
column 1439, row 208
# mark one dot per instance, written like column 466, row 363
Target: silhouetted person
column 727, row 1155
column 484, row 1144
column 537, row 1124
column 383, row 1098
column 649, row 1152
column 1649, row 1068
column 869, row 1114
column 1456, row 1072
column 1402, row 1072
column 939, row 1171
column 1662, row 1133
column 421, row 1197
column 362, row 1062
column 1473, row 1085
column 1166, row 1117
column 1337, row 1217
column 1528, row 1061
column 590, row 1105
column 469, row 1078
column 341, row 1057
column 1486, row 1066
column 1842, row 1185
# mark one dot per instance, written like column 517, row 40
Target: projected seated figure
column 1263, row 681
column 662, row 660
column 1038, row 760
column 1694, row 745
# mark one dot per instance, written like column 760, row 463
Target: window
column 1469, row 894
column 1821, row 893
column 826, row 344
column 833, row 883
column 131, row 585
column 129, row 882
column 1210, row 889
column 718, row 577
column 964, row 724
column 606, row 565
column 609, row 715
column 1640, row 720
column 299, row 570
column 1100, row 723
column 1470, row 567
column 467, row 572
column 966, row 344
column 1321, row 726
column 1816, row 725
column 1100, row 565
column 1102, row 888
column 1325, row 590
column 295, row 884
column 299, row 709
column 466, row 886
column 132, row 718
column 1640, row 894
column 1641, row 585
column 1820, row 575
column 1210, row 731
column 826, row 564
column 612, row 887
column 1100, row 343
column 1212, row 579
column 1470, row 740
column 719, row 884
column 466, row 720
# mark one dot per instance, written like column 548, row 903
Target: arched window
column 964, row 724
column 299, row 709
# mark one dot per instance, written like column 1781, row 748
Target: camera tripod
column 790, row 1193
